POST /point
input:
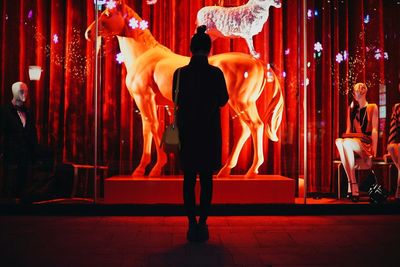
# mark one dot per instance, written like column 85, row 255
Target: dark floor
column 341, row 240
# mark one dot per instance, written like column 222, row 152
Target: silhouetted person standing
column 202, row 91
column 18, row 132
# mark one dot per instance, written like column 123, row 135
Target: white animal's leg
column 253, row 52
column 256, row 126
column 147, row 107
column 233, row 157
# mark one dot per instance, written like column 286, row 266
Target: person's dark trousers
column 189, row 184
column 16, row 176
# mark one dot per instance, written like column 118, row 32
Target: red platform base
column 264, row 189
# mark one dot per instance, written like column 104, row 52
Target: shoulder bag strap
column 176, row 93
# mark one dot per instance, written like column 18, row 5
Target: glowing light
column 133, row 23
column 339, row 58
column 284, row 74
column 151, row 2
column 307, row 82
column 30, row 14
column 287, row 51
column 316, row 13
column 318, row 47
column 309, row 14
column 120, row 58
column 366, row 19
column 246, row 75
column 144, row 24
column 111, row 4
column 55, row 38
column 308, row 64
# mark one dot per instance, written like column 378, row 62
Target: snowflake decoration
column 309, row 14
column 55, row 38
column 287, row 51
column 366, row 19
column 378, row 56
column 339, row 58
column 345, row 55
column 133, row 23
column 386, row 55
column 120, row 58
column 144, row 25
column 318, row 47
column 111, row 4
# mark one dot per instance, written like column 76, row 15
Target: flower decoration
column 55, row 38
column 339, row 58
column 111, row 4
column 144, row 25
column 133, row 23
column 318, row 47
column 120, row 58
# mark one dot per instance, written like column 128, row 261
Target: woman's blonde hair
column 362, row 87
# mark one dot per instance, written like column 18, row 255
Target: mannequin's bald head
column 20, row 93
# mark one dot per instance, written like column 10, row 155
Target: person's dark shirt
column 202, row 92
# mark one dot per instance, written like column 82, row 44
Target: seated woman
column 394, row 143
column 361, row 138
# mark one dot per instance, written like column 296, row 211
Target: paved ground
column 235, row 241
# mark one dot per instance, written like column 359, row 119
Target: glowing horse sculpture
column 242, row 21
column 150, row 67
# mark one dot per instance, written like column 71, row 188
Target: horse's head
column 274, row 3
column 111, row 21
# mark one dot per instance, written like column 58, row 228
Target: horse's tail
column 273, row 114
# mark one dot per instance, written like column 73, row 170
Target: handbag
column 376, row 192
column 170, row 139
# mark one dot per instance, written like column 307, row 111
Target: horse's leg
column 256, row 126
column 150, row 126
column 233, row 157
column 253, row 52
column 156, row 133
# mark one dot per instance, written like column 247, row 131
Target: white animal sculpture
column 242, row 21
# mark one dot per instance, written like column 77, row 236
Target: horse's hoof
column 138, row 173
column 250, row 174
column 155, row 173
column 224, row 172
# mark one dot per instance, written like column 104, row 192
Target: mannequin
column 362, row 119
column 19, row 138
column 394, row 143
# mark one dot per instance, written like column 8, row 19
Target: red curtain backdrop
column 63, row 100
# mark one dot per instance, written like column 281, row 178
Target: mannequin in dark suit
column 19, row 140
column 202, row 92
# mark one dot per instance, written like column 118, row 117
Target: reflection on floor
column 234, row 241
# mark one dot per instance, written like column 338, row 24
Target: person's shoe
column 202, row 231
column 191, row 234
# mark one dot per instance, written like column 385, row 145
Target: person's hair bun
column 201, row 29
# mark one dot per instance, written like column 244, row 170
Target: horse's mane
column 146, row 37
